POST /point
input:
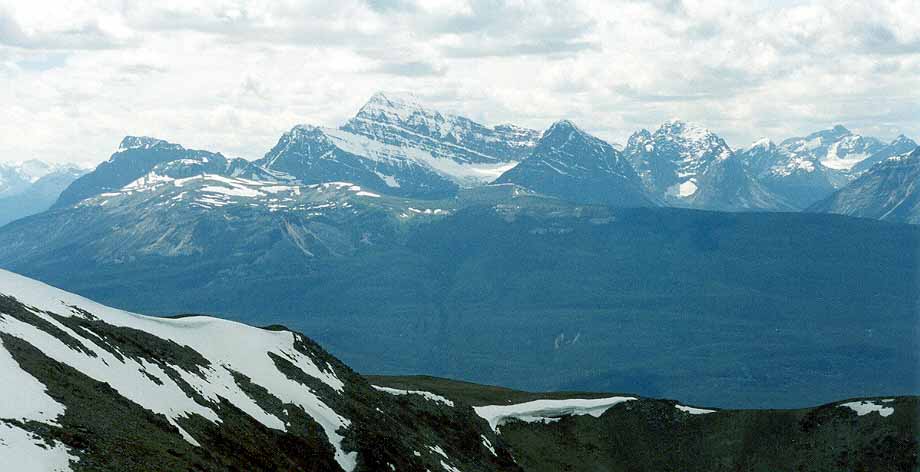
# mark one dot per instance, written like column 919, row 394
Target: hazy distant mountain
column 898, row 146
column 799, row 179
column 685, row 164
column 571, row 164
column 837, row 148
column 12, row 180
column 890, row 191
column 40, row 194
column 32, row 186
column 803, row 170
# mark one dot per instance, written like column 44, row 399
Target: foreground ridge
column 582, row 431
column 91, row 387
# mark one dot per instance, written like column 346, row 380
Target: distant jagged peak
column 688, row 140
column 34, row 169
column 513, row 128
column 902, row 139
column 643, row 133
column 565, row 133
column 400, row 98
column 518, row 136
column 399, row 106
column 302, row 133
column 840, row 129
column 403, row 119
column 407, row 108
column 689, row 131
column 302, row 130
column 762, row 144
column 834, row 133
column 563, row 126
column 638, row 138
column 144, row 142
column 295, row 138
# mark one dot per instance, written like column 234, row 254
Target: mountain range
column 32, row 186
column 89, row 387
column 396, row 146
column 441, row 242
column 807, row 169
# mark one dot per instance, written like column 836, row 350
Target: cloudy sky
column 231, row 76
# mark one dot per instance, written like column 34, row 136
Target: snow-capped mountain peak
column 696, row 136
column 34, row 169
column 144, row 142
column 403, row 110
column 849, row 150
column 563, row 126
column 306, row 131
column 401, row 119
column 687, row 130
column 763, row 144
column 396, row 145
column 901, row 139
column 816, row 143
column 687, row 164
column 401, row 107
column 640, row 139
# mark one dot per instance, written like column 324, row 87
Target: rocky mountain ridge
column 888, row 191
column 396, row 146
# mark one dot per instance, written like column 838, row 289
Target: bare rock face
column 573, row 165
column 888, row 191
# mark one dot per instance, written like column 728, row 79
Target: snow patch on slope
column 543, row 410
column 865, row 407
column 380, row 152
column 427, row 395
column 694, row 411
column 684, row 189
column 22, row 396
column 20, row 451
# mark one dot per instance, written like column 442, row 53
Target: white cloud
column 232, row 75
